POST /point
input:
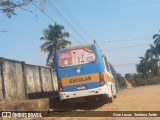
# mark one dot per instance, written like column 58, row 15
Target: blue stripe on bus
column 72, row 71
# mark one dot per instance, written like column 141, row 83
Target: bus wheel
column 110, row 99
column 115, row 96
column 105, row 98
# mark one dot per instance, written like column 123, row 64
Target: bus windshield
column 76, row 57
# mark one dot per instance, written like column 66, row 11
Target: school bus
column 83, row 71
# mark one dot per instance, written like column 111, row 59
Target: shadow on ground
column 57, row 105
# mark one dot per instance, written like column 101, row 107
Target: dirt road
column 129, row 85
column 146, row 98
column 139, row 98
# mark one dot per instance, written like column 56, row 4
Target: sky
column 123, row 29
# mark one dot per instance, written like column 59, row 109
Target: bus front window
column 76, row 57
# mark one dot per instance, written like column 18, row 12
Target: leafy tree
column 121, row 81
column 54, row 39
column 153, row 56
column 138, row 80
column 129, row 77
column 148, row 68
column 143, row 66
column 154, row 67
column 152, row 52
column 156, row 38
column 8, row 6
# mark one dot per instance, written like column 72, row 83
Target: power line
column 75, row 39
column 138, row 45
column 61, row 15
column 43, row 12
column 52, row 6
column 137, row 39
column 122, row 65
column 3, row 31
column 74, row 19
column 53, row 20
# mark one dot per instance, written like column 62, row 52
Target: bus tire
column 115, row 96
column 105, row 99
column 110, row 99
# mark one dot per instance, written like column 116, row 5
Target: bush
column 121, row 81
column 140, row 80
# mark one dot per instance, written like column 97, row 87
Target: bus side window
column 112, row 72
column 109, row 68
column 104, row 62
column 107, row 65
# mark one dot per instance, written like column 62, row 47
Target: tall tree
column 156, row 38
column 143, row 67
column 153, row 56
column 121, row 81
column 152, row 52
column 54, row 39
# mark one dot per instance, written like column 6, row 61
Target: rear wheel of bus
column 110, row 99
column 115, row 96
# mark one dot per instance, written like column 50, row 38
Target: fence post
column 2, row 76
column 51, row 78
column 41, row 82
column 24, row 79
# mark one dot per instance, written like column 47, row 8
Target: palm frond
column 142, row 58
column 44, row 47
column 42, row 38
column 45, row 34
column 155, row 36
column 63, row 43
column 50, row 26
column 152, row 46
column 65, row 34
column 156, row 41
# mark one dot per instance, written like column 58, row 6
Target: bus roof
column 74, row 47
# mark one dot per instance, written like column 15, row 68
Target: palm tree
column 144, row 67
column 53, row 38
column 141, row 67
column 152, row 52
column 144, row 59
column 153, row 55
column 156, row 38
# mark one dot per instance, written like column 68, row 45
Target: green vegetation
column 54, row 39
column 8, row 6
column 121, row 81
column 148, row 68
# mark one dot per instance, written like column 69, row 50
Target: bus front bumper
column 84, row 93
